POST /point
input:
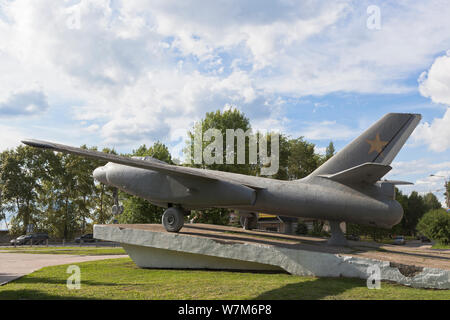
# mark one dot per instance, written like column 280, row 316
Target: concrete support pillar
column 337, row 236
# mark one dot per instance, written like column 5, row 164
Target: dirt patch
column 406, row 270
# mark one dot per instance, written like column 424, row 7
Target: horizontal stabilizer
column 368, row 172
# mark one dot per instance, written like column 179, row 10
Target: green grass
column 122, row 279
column 68, row 250
column 440, row 246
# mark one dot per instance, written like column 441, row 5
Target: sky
column 119, row 74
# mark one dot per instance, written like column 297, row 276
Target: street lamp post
column 447, row 200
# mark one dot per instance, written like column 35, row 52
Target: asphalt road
column 16, row 265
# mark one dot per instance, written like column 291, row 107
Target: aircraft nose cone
column 100, row 175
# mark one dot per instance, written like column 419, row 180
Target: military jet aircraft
column 348, row 187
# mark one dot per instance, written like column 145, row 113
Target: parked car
column 34, row 238
column 353, row 237
column 89, row 237
column 399, row 240
column 20, row 240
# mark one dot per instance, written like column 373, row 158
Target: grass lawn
column 96, row 251
column 440, row 246
column 122, row 279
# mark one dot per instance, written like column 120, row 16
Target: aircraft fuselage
column 314, row 197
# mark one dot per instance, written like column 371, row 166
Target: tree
column 138, row 210
column 302, row 228
column 285, row 149
column 302, row 160
column 330, row 151
column 435, row 224
column 20, row 185
column 158, row 151
column 414, row 211
column 400, row 228
column 447, row 194
column 376, row 233
column 229, row 119
column 431, row 202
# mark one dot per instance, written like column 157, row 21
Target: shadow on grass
column 44, row 281
column 317, row 288
column 32, row 294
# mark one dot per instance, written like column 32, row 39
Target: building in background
column 281, row 224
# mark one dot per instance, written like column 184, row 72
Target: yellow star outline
column 376, row 145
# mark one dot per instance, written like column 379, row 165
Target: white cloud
column 327, row 130
column 146, row 70
column 435, row 84
column 419, row 172
column 24, row 103
column 10, row 137
column 417, row 167
column 320, row 150
column 435, row 134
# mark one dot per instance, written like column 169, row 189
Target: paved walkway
column 16, row 265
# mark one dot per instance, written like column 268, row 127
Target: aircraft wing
column 138, row 163
column 368, row 172
column 397, row 182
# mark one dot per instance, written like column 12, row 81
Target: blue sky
column 123, row 73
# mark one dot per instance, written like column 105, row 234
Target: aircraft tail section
column 378, row 145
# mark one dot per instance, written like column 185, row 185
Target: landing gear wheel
column 249, row 223
column 173, row 219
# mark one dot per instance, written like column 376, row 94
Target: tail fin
column 378, row 144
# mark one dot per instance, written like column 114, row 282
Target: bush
column 435, row 224
column 302, row 228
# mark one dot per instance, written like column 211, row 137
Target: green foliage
column 431, row 202
column 447, row 193
column 54, row 192
column 414, row 207
column 317, row 229
column 435, row 224
column 158, row 151
column 229, row 119
column 302, row 160
column 302, row 228
column 19, row 175
column 329, row 152
column 137, row 210
column 413, row 211
column 212, row 216
column 377, row 234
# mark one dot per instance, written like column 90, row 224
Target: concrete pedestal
column 226, row 248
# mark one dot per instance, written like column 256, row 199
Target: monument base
column 149, row 257
column 199, row 246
